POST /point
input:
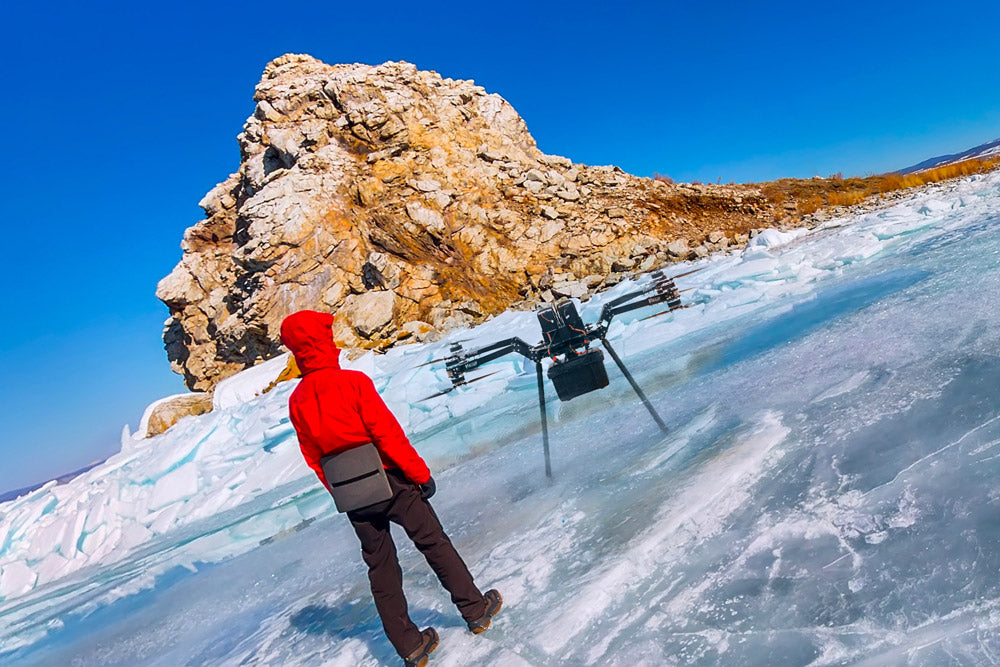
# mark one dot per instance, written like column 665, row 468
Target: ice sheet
column 825, row 493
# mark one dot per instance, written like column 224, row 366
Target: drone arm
column 663, row 289
column 499, row 349
column 481, row 357
column 659, row 284
column 460, row 364
column 608, row 311
column 648, row 301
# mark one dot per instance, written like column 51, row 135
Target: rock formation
column 406, row 203
column 169, row 412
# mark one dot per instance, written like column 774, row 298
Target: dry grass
column 692, row 211
column 814, row 194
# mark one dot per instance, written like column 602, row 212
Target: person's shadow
column 359, row 620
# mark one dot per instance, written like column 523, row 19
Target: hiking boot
column 428, row 642
column 493, row 604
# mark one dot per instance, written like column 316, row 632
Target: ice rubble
column 236, row 474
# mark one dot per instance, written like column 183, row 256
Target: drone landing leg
column 545, row 424
column 631, row 381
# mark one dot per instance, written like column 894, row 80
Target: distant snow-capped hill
column 983, row 151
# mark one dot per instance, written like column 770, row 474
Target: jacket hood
column 308, row 334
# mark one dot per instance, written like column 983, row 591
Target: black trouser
column 408, row 509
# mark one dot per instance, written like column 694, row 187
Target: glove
column 427, row 489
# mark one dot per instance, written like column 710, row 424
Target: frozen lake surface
column 826, row 493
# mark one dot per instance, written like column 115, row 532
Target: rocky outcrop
column 169, row 412
column 406, row 203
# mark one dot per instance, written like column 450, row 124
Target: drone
column 577, row 368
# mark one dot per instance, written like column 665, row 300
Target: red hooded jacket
column 334, row 409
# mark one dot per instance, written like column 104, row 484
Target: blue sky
column 120, row 116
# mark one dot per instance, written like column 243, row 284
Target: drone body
column 577, row 368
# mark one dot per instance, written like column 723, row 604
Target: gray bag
column 356, row 478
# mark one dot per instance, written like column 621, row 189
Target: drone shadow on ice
column 358, row 620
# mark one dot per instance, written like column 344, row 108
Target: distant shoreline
column 62, row 479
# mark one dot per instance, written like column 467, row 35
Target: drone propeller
column 688, row 273
column 456, row 347
column 434, row 361
column 440, row 393
column 669, row 310
column 450, row 389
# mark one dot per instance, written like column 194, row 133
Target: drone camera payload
column 576, row 368
column 579, row 374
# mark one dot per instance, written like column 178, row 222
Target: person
column 333, row 410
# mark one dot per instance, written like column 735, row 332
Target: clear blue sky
column 119, row 117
